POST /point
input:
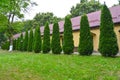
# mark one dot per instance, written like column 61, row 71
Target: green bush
column 37, row 39
column 85, row 40
column 30, row 41
column 55, row 43
column 68, row 43
column 14, row 44
column 25, row 41
column 46, row 39
column 108, row 42
column 20, row 43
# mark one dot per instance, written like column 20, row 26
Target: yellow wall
column 95, row 32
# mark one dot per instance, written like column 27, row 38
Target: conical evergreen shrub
column 46, row 39
column 14, row 44
column 37, row 40
column 20, row 44
column 55, row 43
column 30, row 41
column 68, row 43
column 85, row 40
column 108, row 46
column 25, row 42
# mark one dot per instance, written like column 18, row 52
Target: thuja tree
column 108, row 42
column 85, row 40
column 14, row 44
column 30, row 41
column 68, row 43
column 46, row 39
column 20, row 44
column 37, row 40
column 25, row 42
column 55, row 43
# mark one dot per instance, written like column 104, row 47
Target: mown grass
column 31, row 66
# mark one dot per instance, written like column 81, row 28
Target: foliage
column 38, row 42
column 2, row 38
column 85, row 7
column 5, row 45
column 108, row 42
column 20, row 44
column 17, row 26
column 12, row 9
column 14, row 44
column 42, row 18
column 55, row 43
column 28, row 24
column 25, row 41
column 46, row 39
column 85, row 38
column 30, row 41
column 68, row 43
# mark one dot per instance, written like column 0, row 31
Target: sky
column 60, row 8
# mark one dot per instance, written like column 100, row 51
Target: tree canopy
column 85, row 7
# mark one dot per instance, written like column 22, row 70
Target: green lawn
column 31, row 66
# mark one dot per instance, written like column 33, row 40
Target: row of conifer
column 36, row 42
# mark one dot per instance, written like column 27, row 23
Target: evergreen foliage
column 37, row 39
column 85, row 40
column 14, row 44
column 30, row 41
column 108, row 46
column 68, row 43
column 5, row 45
column 25, row 42
column 55, row 43
column 46, row 39
column 20, row 44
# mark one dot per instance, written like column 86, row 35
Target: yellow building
column 94, row 21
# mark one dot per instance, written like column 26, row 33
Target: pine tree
column 30, row 41
column 17, row 43
column 37, row 38
column 85, row 40
column 25, row 42
column 68, row 43
column 46, row 39
column 55, row 43
column 108, row 42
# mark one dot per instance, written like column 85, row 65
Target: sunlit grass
column 31, row 66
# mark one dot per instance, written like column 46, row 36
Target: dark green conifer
column 85, row 40
column 46, row 39
column 108, row 42
column 25, row 42
column 68, row 43
column 37, row 40
column 55, row 43
column 30, row 41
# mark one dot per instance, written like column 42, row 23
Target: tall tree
column 20, row 44
column 30, row 41
column 46, row 39
column 37, row 39
column 13, row 9
column 42, row 18
column 25, row 41
column 85, row 7
column 55, row 43
column 68, row 43
column 108, row 42
column 85, row 40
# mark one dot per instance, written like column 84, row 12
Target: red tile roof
column 94, row 20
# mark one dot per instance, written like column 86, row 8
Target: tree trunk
column 11, row 44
